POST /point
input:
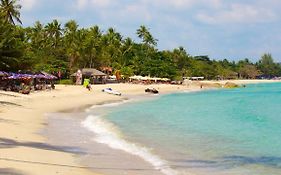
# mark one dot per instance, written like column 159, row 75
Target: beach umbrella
column 26, row 76
column 146, row 78
column 3, row 74
column 48, row 76
column 39, row 76
column 165, row 79
column 135, row 77
column 155, row 79
column 13, row 76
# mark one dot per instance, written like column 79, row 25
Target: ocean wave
column 112, row 104
column 107, row 133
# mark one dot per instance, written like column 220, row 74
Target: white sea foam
column 108, row 134
column 113, row 104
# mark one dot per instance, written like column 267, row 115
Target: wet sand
column 98, row 157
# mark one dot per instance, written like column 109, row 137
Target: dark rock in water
column 231, row 85
column 151, row 90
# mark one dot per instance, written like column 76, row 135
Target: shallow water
column 236, row 131
column 65, row 132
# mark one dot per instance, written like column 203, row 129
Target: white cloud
column 136, row 11
column 94, row 4
column 174, row 3
column 81, row 4
column 213, row 3
column 28, row 4
column 238, row 13
column 102, row 3
column 181, row 4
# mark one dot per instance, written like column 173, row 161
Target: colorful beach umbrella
column 15, row 76
column 3, row 74
column 39, row 76
column 48, row 76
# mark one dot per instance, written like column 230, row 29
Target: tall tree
column 71, row 40
column 11, row 46
column 267, row 65
column 249, row 71
column 146, row 36
column 54, row 32
column 92, row 47
column 127, row 52
column 10, row 11
column 36, row 36
column 112, row 50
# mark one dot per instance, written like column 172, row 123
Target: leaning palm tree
column 146, row 36
column 10, row 11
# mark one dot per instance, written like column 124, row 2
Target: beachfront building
column 95, row 76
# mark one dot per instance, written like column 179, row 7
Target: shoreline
column 25, row 151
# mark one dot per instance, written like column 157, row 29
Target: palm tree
column 72, row 42
column 10, row 46
column 70, row 28
column 112, row 45
column 36, row 35
column 146, row 36
column 54, row 31
column 127, row 46
column 10, row 11
column 147, row 47
column 93, row 46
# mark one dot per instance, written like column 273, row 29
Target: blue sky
column 232, row 29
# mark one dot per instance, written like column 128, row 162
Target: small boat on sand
column 111, row 91
column 151, row 90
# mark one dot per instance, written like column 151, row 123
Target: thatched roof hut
column 95, row 75
column 91, row 72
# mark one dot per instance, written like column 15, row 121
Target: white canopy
column 138, row 77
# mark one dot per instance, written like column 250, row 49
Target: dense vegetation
column 54, row 47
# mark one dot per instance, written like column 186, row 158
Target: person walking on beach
column 89, row 87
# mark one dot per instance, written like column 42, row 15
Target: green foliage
column 127, row 72
column 267, row 66
column 11, row 46
column 66, row 82
column 55, row 47
column 202, row 67
column 9, row 11
column 146, row 36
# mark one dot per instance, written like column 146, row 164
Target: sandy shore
column 23, row 150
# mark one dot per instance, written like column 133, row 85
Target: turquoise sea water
column 235, row 131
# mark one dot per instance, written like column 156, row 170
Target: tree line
column 54, row 47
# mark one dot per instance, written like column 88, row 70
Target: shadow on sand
column 9, row 171
column 9, row 103
column 233, row 161
column 8, row 121
column 9, row 143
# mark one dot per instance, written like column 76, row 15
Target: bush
column 66, row 82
